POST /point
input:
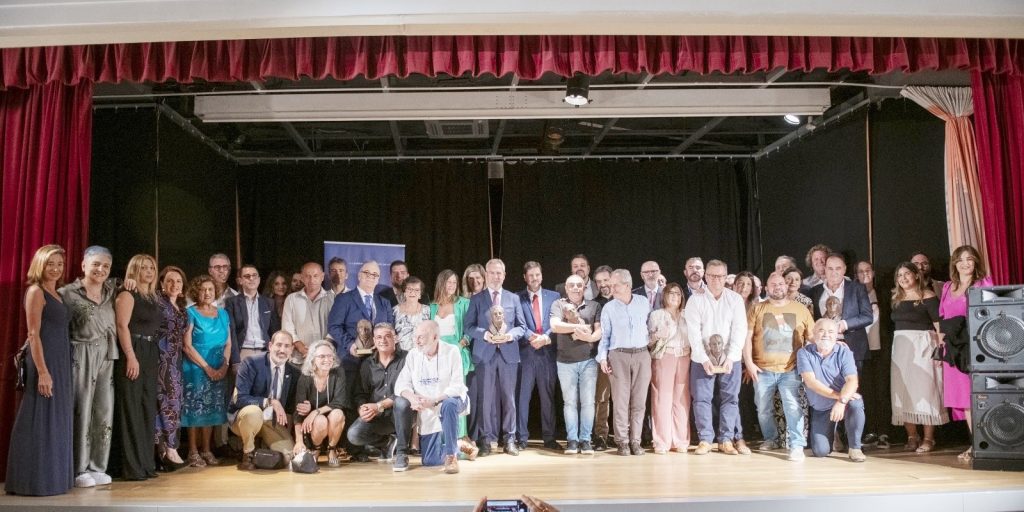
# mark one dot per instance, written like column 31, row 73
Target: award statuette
column 716, row 354
column 364, row 338
column 498, row 326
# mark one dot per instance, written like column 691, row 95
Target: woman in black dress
column 138, row 318
column 40, row 461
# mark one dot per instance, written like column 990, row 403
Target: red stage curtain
column 45, row 156
column 527, row 56
column 999, row 129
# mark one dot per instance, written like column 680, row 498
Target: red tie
column 537, row 320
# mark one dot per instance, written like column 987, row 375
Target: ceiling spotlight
column 577, row 90
column 792, row 119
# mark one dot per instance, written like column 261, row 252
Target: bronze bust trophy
column 715, row 349
column 833, row 308
column 364, row 338
column 498, row 327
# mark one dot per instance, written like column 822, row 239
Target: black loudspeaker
column 995, row 321
column 997, row 411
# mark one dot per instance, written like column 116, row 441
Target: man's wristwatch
column 844, row 401
column 380, row 407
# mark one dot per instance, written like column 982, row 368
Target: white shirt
column 589, row 290
column 228, row 292
column 433, row 377
column 253, row 333
column 707, row 316
column 306, row 320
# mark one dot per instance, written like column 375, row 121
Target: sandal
column 210, row 459
column 912, row 444
column 966, row 456
column 196, row 461
column 926, row 446
column 332, row 457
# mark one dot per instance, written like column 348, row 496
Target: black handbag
column 20, row 367
column 263, row 458
column 305, row 462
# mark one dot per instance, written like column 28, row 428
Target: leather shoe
column 551, row 444
column 703, row 448
column 635, row 448
column 246, row 463
column 727, row 448
column 624, row 450
column 599, row 444
column 511, row 448
column 485, row 449
column 521, row 445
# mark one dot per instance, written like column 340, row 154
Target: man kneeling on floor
column 265, row 399
column 830, row 377
column 431, row 384
column 380, row 423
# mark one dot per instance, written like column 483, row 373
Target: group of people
column 383, row 371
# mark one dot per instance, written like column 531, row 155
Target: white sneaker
column 84, row 480
column 768, row 446
column 796, row 454
column 100, row 478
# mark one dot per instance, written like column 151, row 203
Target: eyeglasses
column 369, row 274
column 649, row 271
column 324, row 356
column 714, row 276
column 574, row 285
column 250, row 276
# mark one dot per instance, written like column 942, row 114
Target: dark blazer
column 591, row 284
column 478, row 319
column 253, row 383
column 641, row 291
column 856, row 313
column 547, row 298
column 347, row 311
column 238, row 313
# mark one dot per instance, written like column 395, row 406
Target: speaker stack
column 995, row 322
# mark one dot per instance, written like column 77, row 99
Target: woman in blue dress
column 40, row 461
column 207, row 348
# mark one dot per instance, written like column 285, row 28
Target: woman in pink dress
column 966, row 270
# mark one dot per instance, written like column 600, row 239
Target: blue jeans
column 435, row 447
column 823, row 429
column 702, row 388
column 788, row 384
column 579, row 388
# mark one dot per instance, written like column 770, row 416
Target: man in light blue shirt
column 623, row 355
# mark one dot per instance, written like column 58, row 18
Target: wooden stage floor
column 889, row 480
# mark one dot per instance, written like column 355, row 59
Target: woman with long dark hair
column 168, row 383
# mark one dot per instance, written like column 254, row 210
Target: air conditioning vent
column 472, row 129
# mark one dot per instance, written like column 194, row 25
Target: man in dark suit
column 537, row 355
column 580, row 266
column 496, row 357
column 694, row 274
column 649, row 272
column 855, row 314
column 351, row 307
column 251, row 315
column 265, row 399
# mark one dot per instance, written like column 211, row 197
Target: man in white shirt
column 431, row 384
column 305, row 311
column 220, row 270
column 718, row 312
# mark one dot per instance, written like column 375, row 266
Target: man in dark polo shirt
column 379, row 423
column 576, row 326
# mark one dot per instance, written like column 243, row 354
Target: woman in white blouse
column 670, row 373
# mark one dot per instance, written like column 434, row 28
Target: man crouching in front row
column 431, row 384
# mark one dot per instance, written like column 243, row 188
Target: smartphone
column 506, row 506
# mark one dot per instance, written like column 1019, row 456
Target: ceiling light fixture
column 792, row 119
column 577, row 90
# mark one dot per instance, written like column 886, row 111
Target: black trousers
column 135, row 409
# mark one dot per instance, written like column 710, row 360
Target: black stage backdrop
column 439, row 210
column 624, row 213
column 817, row 191
column 144, row 165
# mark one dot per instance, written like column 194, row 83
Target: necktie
column 650, row 298
column 274, row 381
column 368, row 302
column 494, row 299
column 537, row 320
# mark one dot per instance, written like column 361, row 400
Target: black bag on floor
column 305, row 462
column 263, row 458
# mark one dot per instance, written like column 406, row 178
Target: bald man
column 305, row 311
